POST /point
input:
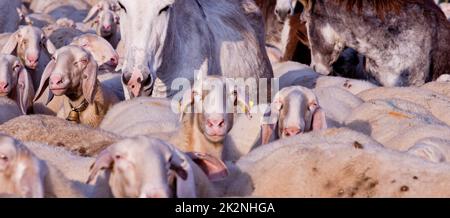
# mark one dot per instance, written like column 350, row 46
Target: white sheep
column 331, row 164
column 432, row 149
column 293, row 73
column 39, row 20
column 16, row 82
column 385, row 120
column 73, row 74
column 72, row 9
column 151, row 168
column 33, row 47
column 23, row 174
column 78, row 139
column 437, row 104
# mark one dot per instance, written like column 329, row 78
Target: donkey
column 405, row 42
column 170, row 39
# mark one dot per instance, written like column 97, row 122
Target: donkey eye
column 164, row 9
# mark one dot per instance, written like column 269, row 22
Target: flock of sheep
column 74, row 124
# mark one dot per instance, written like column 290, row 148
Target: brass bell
column 74, row 116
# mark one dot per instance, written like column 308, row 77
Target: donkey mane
column 385, row 6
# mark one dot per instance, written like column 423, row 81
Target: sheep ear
column 51, row 48
column 307, row 4
column 11, row 44
column 240, row 103
column 93, row 12
column 24, row 90
column 45, row 81
column 185, row 175
column 104, row 161
column 270, row 120
column 20, row 13
column 187, row 101
column 30, row 183
column 214, row 168
column 89, row 80
column 319, row 120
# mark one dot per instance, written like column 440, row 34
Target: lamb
column 387, row 120
column 101, row 5
column 294, row 110
column 34, row 177
column 33, row 48
column 437, row 104
column 442, row 88
column 156, row 169
column 10, row 19
column 331, row 167
column 73, row 74
column 9, row 110
column 73, row 9
column 16, row 82
column 80, row 140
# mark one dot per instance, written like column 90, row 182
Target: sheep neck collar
column 75, row 112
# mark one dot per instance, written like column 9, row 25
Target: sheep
column 73, row 9
column 35, row 19
column 385, row 120
column 442, row 88
column 103, row 53
column 406, row 139
column 151, row 168
column 73, row 74
column 24, row 175
column 294, row 110
column 141, row 116
column 62, row 32
column 33, row 48
column 16, row 82
column 293, row 73
column 433, row 149
column 9, row 110
column 10, row 19
column 105, row 21
column 437, row 104
column 74, row 167
column 444, row 78
column 335, row 166
column 78, row 139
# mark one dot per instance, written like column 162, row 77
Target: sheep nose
column 55, row 80
column 292, row 131
column 3, row 86
column 107, row 27
column 216, row 122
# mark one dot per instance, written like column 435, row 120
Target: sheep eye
column 4, row 158
column 164, row 9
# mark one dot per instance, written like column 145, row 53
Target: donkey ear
column 24, row 91
column 11, row 44
column 45, row 81
column 214, row 168
column 89, row 80
column 185, row 175
column 104, row 161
